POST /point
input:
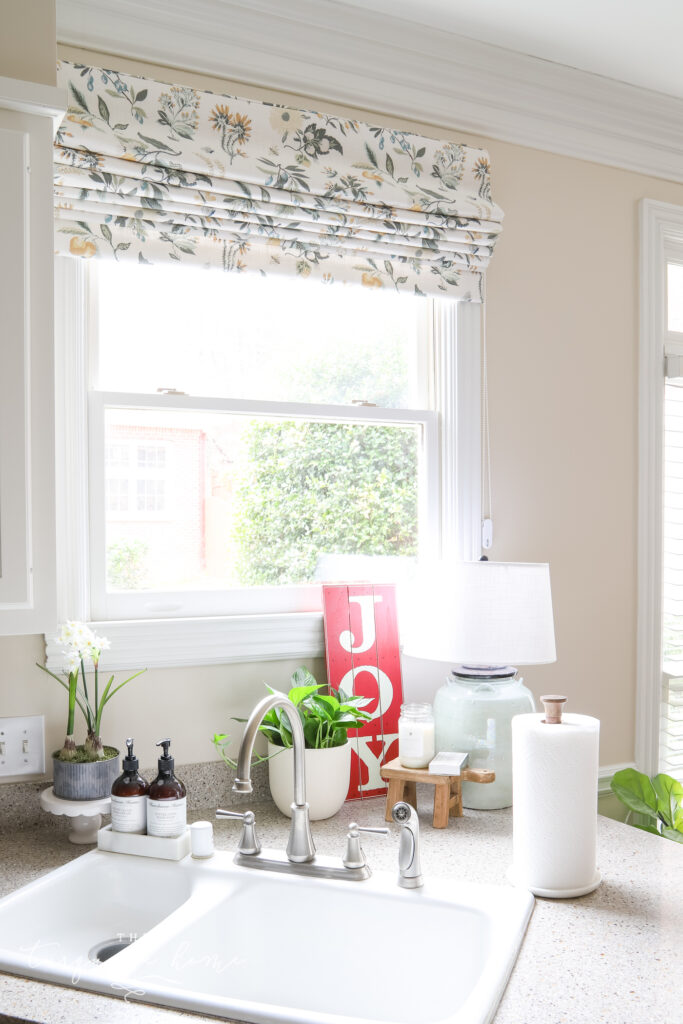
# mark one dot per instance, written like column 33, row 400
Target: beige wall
column 562, row 336
column 189, row 705
column 27, row 40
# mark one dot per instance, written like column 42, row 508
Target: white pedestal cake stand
column 85, row 815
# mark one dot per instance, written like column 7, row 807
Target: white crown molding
column 327, row 50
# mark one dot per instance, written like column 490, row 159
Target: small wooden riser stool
column 447, row 789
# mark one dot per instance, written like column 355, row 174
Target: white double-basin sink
column 215, row 938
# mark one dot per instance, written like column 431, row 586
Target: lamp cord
column 486, row 493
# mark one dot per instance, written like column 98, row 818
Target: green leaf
column 106, row 232
column 156, row 143
column 299, row 693
column 647, row 828
column 672, row 833
column 371, row 155
column 120, row 127
column 311, row 730
column 103, row 108
column 636, row 791
column 302, row 677
column 78, row 96
column 272, row 733
column 390, row 165
column 420, row 152
column 319, row 709
column 669, row 797
column 140, row 96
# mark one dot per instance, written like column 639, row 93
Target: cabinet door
column 27, row 512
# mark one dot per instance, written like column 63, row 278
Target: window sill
column 165, row 643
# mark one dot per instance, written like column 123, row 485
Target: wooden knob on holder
column 552, row 704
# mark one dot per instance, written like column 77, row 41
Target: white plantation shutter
column 671, row 724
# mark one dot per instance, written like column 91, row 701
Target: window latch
column 170, row 391
column 363, row 401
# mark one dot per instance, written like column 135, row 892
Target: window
column 659, row 738
column 251, row 437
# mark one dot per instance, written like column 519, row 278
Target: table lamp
column 485, row 618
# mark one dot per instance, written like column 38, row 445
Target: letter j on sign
column 361, row 646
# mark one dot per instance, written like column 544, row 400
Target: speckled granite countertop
column 612, row 957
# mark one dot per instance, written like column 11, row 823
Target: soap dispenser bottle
column 167, row 801
column 129, row 797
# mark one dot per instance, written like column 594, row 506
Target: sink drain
column 103, row 951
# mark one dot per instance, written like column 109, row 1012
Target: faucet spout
column 300, row 847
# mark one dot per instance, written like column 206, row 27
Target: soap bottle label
column 166, row 817
column 129, row 814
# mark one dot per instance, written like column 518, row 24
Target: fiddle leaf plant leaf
column 635, row 789
column 647, row 828
column 672, row 833
column 669, row 797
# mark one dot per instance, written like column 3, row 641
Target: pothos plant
column 81, row 648
column 326, row 717
column 658, row 799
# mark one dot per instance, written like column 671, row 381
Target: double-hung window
column 232, row 441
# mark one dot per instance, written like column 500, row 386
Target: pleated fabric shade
column 155, row 172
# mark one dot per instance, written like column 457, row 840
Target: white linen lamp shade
column 483, row 618
column 481, row 613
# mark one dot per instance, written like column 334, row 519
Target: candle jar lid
column 417, row 712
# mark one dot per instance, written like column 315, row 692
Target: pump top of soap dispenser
column 166, row 786
column 130, row 761
column 166, row 762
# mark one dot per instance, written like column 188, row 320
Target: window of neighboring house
column 659, row 739
column 251, row 437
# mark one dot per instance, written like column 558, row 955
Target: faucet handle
column 248, row 843
column 354, row 856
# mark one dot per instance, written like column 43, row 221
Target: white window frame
column 248, row 600
column 160, row 638
column 661, row 242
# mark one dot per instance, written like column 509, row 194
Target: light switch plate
column 22, row 745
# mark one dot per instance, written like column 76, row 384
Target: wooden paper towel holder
column 552, row 705
column 447, row 789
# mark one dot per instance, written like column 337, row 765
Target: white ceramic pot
column 327, row 779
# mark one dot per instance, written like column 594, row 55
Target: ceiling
column 627, row 40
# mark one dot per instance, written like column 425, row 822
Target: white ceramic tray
column 166, row 848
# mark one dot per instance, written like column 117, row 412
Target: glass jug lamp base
column 473, row 712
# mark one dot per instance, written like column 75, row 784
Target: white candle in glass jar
column 416, row 735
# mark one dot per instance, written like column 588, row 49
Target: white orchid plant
column 83, row 648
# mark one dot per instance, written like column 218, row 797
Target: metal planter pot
column 91, row 780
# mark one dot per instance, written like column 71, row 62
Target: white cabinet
column 28, row 114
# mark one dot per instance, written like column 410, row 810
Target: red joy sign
column 361, row 646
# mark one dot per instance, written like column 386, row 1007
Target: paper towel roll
column 554, row 804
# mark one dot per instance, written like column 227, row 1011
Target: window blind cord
column 486, row 493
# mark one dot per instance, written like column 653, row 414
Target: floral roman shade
column 156, row 172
